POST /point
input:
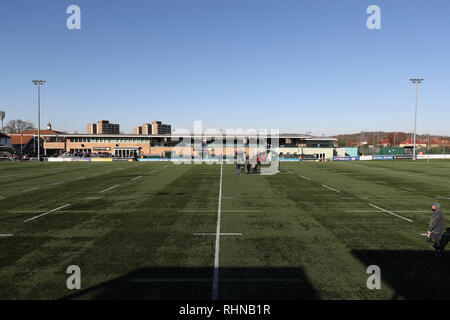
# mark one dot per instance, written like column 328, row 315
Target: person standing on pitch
column 436, row 228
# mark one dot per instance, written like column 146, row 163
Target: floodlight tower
column 39, row 83
column 416, row 81
column 2, row 117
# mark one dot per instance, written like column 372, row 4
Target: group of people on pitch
column 244, row 162
column 436, row 235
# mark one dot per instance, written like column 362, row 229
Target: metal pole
column 39, row 83
column 415, row 122
column 39, row 121
column 416, row 81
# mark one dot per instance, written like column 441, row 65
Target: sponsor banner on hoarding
column 289, row 160
column 149, row 159
column 365, row 158
column 102, row 159
column 434, row 156
column 382, row 157
column 403, row 156
column 81, row 159
column 56, row 159
column 345, row 158
column 122, row 159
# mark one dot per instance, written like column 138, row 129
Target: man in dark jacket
column 436, row 228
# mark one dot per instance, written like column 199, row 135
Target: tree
column 391, row 138
column 18, row 125
column 342, row 143
column 400, row 137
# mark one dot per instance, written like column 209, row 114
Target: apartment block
column 103, row 127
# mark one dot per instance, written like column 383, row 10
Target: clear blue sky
column 296, row 65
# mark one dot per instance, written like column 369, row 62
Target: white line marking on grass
column 407, row 189
column 136, row 178
column 56, row 183
column 403, row 211
column 59, row 208
column 30, row 189
column 196, row 211
column 2, row 197
column 79, row 178
column 241, row 210
column 6, row 235
column 372, row 205
column 215, row 287
column 424, row 234
column 153, row 171
column 324, row 185
column 441, row 197
column 110, row 188
column 215, row 234
column 380, row 182
column 303, row 177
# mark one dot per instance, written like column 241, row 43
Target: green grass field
column 140, row 230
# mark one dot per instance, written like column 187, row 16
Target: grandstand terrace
column 161, row 144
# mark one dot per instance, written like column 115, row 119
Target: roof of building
column 181, row 135
column 439, row 141
column 4, row 136
column 411, row 141
column 23, row 137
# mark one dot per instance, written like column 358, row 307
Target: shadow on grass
column 411, row 274
column 196, row 283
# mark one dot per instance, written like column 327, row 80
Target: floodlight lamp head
column 38, row 82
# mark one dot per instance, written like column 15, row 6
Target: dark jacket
column 436, row 223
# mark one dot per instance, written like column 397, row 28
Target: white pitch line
column 79, row 178
column 303, row 177
column 441, row 197
column 136, row 178
column 215, row 234
column 6, row 235
column 153, row 171
column 324, row 185
column 215, row 287
column 110, row 188
column 402, row 211
column 30, row 189
column 59, row 208
column 398, row 216
column 56, row 183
